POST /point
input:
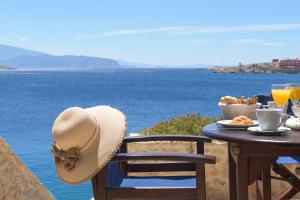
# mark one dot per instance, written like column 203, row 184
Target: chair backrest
column 159, row 166
column 107, row 182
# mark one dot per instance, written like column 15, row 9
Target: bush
column 190, row 124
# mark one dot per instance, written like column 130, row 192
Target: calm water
column 30, row 101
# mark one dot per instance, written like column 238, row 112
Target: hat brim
column 113, row 127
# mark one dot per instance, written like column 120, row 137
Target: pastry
column 241, row 120
column 242, row 100
column 229, row 100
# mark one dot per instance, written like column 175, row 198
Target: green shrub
column 190, row 124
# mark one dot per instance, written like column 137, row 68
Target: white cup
column 272, row 104
column 269, row 119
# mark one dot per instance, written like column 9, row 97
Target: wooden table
column 251, row 156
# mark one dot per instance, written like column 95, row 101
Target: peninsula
column 276, row 66
column 23, row 59
column 5, row 68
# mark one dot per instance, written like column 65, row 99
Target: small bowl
column 231, row 111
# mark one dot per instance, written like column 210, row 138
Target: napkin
column 293, row 123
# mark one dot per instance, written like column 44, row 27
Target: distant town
column 275, row 66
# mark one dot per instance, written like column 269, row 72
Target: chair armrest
column 150, row 138
column 165, row 156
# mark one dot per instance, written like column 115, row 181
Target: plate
column 227, row 124
column 279, row 131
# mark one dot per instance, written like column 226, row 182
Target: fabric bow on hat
column 69, row 157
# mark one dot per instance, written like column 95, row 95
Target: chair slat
column 161, row 167
column 151, row 193
column 148, row 138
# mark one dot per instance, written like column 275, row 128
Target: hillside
column 22, row 58
column 5, row 68
column 261, row 68
column 8, row 52
column 60, row 62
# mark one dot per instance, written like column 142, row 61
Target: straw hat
column 85, row 140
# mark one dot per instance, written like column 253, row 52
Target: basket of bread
column 232, row 107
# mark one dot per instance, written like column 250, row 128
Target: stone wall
column 16, row 180
column 216, row 175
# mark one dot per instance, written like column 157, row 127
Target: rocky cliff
column 261, row 68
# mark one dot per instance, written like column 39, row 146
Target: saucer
column 227, row 124
column 258, row 131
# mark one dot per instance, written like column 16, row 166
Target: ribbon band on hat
column 69, row 157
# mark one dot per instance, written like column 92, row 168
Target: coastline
column 93, row 70
column 256, row 68
column 5, row 68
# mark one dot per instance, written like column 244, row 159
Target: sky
column 159, row 32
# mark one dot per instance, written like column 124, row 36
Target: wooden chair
column 288, row 176
column 279, row 167
column 114, row 182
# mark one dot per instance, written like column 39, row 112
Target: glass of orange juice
column 295, row 92
column 281, row 94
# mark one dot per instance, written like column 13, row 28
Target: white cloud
column 142, row 31
column 259, row 42
column 184, row 30
column 23, row 39
column 246, row 41
column 274, row 44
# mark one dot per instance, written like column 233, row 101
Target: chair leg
column 288, row 194
column 263, row 185
column 99, row 184
column 200, row 182
column 290, row 178
column 258, row 190
column 266, row 181
column 94, row 184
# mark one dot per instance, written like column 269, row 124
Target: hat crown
column 74, row 127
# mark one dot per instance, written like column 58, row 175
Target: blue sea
column 30, row 102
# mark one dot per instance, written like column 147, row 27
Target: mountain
column 4, row 68
column 8, row 52
column 22, row 58
column 60, row 62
